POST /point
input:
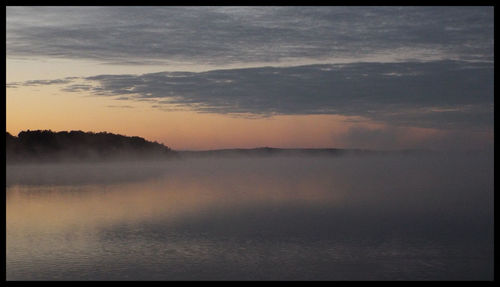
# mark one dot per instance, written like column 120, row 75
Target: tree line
column 46, row 145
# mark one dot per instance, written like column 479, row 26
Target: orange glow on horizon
column 40, row 108
column 47, row 107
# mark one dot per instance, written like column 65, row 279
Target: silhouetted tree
column 49, row 145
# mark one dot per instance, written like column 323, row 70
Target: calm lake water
column 425, row 217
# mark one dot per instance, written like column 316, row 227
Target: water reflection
column 268, row 218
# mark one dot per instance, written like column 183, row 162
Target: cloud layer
column 222, row 35
column 439, row 94
column 425, row 67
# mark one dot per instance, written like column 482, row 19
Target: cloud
column 12, row 85
column 120, row 106
column 226, row 35
column 43, row 82
column 436, row 94
column 439, row 94
column 77, row 88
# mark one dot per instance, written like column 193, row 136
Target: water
column 427, row 217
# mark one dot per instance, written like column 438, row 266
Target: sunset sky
column 225, row 77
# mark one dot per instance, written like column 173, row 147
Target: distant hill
column 46, row 145
column 262, row 151
column 269, row 151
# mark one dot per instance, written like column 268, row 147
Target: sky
column 197, row 78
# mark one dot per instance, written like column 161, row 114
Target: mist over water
column 370, row 217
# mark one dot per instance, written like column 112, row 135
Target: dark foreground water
column 424, row 217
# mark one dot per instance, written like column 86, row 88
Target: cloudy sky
column 222, row 77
